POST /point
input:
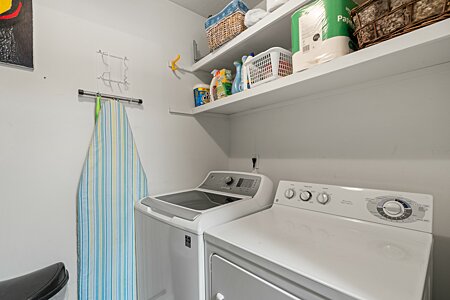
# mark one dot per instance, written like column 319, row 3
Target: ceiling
column 206, row 8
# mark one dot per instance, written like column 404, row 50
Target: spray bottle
column 213, row 87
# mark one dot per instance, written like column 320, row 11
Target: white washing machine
column 325, row 242
column 169, row 231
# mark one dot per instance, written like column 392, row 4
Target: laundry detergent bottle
column 236, row 88
column 213, row 86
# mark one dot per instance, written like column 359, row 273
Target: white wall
column 391, row 134
column 45, row 128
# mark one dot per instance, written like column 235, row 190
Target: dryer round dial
column 323, row 198
column 305, row 196
column 393, row 208
column 396, row 209
column 289, row 193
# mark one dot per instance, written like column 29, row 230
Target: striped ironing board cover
column 112, row 181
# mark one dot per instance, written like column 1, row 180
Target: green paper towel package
column 321, row 31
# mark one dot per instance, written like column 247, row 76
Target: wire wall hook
column 107, row 75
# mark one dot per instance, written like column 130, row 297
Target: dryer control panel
column 401, row 209
column 232, row 182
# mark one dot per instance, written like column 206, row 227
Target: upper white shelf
column 419, row 49
column 272, row 31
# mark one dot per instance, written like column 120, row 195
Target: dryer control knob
column 229, row 180
column 305, row 196
column 393, row 208
column 289, row 193
column 323, row 198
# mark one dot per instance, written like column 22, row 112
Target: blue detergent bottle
column 237, row 83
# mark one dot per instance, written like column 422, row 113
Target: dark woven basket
column 380, row 20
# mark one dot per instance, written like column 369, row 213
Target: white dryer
column 325, row 242
column 169, row 231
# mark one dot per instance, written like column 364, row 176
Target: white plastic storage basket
column 269, row 65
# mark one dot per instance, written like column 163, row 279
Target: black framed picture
column 16, row 32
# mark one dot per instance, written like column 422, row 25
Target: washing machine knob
column 229, row 180
column 305, row 196
column 323, row 198
column 289, row 193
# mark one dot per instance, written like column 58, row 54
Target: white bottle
column 213, row 86
column 245, row 75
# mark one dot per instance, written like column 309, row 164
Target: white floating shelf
column 419, row 49
column 272, row 31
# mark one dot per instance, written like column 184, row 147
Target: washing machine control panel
column 407, row 210
column 235, row 183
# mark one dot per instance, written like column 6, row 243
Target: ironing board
column 112, row 181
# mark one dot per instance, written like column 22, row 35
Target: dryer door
column 231, row 282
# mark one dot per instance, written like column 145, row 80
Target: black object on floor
column 39, row 285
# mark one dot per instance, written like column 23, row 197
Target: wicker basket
column 225, row 30
column 380, row 20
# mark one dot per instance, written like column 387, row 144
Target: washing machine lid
column 188, row 204
column 197, row 200
column 359, row 259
